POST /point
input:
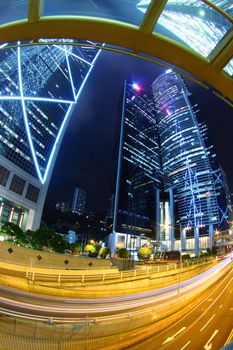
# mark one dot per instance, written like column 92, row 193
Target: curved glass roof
column 202, row 28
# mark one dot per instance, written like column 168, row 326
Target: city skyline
column 100, row 118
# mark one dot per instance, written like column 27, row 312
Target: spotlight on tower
column 136, row 87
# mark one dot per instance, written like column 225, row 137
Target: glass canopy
column 229, row 68
column 192, row 23
column 13, row 10
column 203, row 26
column 121, row 10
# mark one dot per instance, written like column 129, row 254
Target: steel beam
column 122, row 35
column 152, row 15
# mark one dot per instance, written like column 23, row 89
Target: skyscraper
column 168, row 180
column 220, row 182
column 138, row 173
column 79, row 201
column 187, row 173
column 39, row 88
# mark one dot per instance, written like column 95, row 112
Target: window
column 32, row 193
column 17, row 184
column 4, row 175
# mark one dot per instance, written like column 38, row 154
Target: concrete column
column 196, row 240
column 11, row 214
column 157, row 220
column 183, row 239
column 1, row 209
column 172, row 221
column 211, row 236
column 113, row 243
column 21, row 220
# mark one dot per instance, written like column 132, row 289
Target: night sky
column 86, row 155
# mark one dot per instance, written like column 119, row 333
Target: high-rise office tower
column 138, row 173
column 220, row 182
column 168, row 180
column 39, row 87
column 187, row 172
column 79, row 201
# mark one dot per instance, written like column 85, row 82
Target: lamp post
column 178, row 291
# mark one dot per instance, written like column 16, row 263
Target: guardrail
column 107, row 275
column 84, row 333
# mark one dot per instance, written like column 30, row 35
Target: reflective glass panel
column 229, row 68
column 13, row 10
column 225, row 5
column 192, row 23
column 121, row 10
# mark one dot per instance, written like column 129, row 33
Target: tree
column 214, row 250
column 104, row 251
column 89, row 248
column 123, row 253
column 77, row 248
column 144, row 253
column 10, row 229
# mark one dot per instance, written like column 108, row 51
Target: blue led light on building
column 168, row 179
column 40, row 86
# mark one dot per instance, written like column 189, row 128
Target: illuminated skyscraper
column 138, row 173
column 187, row 172
column 79, row 201
column 39, row 87
column 168, row 180
column 220, row 183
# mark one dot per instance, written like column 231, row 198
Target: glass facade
column 185, row 162
column 138, row 170
column 39, row 85
column 79, row 201
column 220, row 182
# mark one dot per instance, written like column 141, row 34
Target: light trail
column 45, row 306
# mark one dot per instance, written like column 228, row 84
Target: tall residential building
column 39, row 87
column 137, row 171
column 79, row 201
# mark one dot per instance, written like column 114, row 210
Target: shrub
column 123, row 253
column 144, row 253
column 89, row 248
column 104, row 251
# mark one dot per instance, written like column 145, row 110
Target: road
column 206, row 327
column 23, row 303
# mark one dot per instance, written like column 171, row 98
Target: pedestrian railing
column 105, row 275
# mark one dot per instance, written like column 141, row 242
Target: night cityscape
column 116, row 179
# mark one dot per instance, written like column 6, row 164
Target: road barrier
column 45, row 333
column 105, row 275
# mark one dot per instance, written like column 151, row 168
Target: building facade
column 40, row 86
column 168, row 183
column 79, row 201
column 138, row 171
column 187, row 172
